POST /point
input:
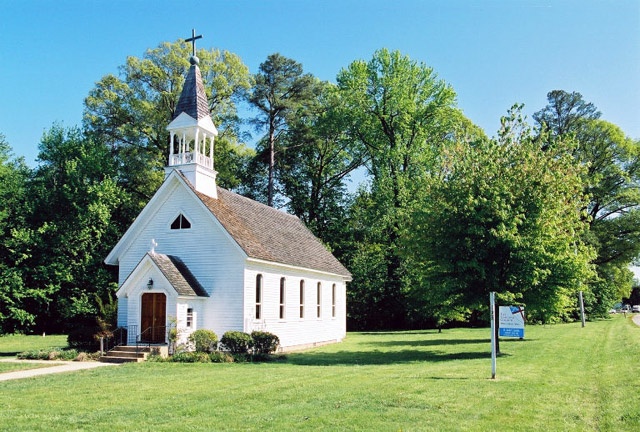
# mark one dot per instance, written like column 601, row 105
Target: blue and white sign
column 511, row 321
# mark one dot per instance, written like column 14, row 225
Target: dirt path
column 56, row 367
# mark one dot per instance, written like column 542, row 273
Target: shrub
column 220, row 357
column 191, row 357
column 264, row 342
column 83, row 337
column 236, row 342
column 49, row 354
column 154, row 358
column 205, row 341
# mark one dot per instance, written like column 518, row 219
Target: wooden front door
column 153, row 319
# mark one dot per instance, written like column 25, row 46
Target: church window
column 259, row 296
column 181, row 222
column 319, row 298
column 282, row 294
column 189, row 318
column 302, row 298
column 333, row 301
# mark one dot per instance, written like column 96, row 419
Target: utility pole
column 582, row 308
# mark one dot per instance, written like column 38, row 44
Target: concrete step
column 114, row 359
column 132, row 354
column 133, row 348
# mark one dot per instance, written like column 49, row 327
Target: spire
column 192, row 131
column 193, row 99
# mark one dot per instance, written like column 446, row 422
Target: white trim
column 278, row 265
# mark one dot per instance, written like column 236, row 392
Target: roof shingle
column 193, row 99
column 178, row 275
column 269, row 234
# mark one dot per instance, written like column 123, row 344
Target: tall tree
column 280, row 89
column 502, row 216
column 73, row 198
column 15, row 298
column 402, row 116
column 318, row 156
column 564, row 111
column 131, row 111
column 612, row 182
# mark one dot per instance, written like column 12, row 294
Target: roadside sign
column 511, row 321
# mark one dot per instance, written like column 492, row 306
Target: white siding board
column 205, row 249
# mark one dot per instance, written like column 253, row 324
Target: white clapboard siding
column 206, row 250
column 292, row 330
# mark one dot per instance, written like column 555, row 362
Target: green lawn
column 560, row 378
column 12, row 367
column 13, row 344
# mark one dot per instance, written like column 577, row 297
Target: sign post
column 582, row 308
column 492, row 302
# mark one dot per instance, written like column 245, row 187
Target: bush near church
column 264, row 342
column 236, row 342
column 205, row 341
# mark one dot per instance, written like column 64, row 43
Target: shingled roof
column 193, row 99
column 178, row 275
column 269, row 234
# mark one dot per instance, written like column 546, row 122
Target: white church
column 202, row 257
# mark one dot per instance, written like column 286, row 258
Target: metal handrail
column 151, row 331
column 120, row 336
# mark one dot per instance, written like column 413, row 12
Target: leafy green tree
column 15, row 298
column 611, row 181
column 131, row 111
column 502, row 216
column 317, row 157
column 279, row 90
column 402, row 116
column 68, row 230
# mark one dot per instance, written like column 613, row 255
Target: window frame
column 301, row 298
column 283, row 296
column 183, row 218
column 319, row 300
column 333, row 301
column 189, row 319
column 259, row 295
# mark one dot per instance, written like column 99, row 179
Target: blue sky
column 493, row 53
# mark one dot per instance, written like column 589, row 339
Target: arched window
column 282, row 296
column 333, row 301
column 302, row 298
column 259, row 296
column 181, row 222
column 319, row 298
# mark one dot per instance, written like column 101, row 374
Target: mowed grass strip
column 16, row 366
column 11, row 345
column 561, row 377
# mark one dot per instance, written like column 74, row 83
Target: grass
column 561, row 377
column 12, row 367
column 11, row 345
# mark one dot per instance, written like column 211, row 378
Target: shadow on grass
column 9, row 354
column 399, row 332
column 380, row 357
column 430, row 342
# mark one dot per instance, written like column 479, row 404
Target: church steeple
column 192, row 132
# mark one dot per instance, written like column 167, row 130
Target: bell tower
column 192, row 132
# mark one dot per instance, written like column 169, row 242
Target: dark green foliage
column 83, row 336
column 611, row 180
column 264, row 342
column 205, row 341
column 190, row 357
column 236, row 342
column 50, row 354
column 220, row 357
column 280, row 89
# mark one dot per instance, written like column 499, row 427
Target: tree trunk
column 272, row 159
